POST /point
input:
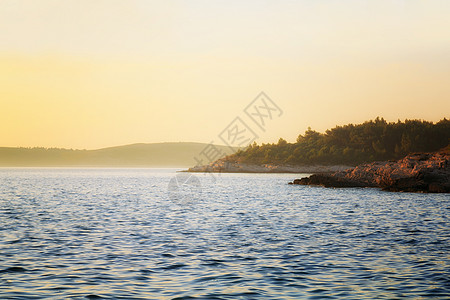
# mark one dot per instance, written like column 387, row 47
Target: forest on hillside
column 352, row 144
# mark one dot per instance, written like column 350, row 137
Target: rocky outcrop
column 224, row 166
column 418, row 172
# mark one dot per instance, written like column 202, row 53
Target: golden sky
column 91, row 74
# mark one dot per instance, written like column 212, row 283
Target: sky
column 88, row 74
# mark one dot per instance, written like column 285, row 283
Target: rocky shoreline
column 418, row 172
column 223, row 166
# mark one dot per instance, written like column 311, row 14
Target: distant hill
column 135, row 155
column 351, row 144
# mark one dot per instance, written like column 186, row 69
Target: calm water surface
column 118, row 233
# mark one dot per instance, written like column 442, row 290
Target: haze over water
column 118, row 233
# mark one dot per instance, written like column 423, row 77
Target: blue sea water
column 132, row 234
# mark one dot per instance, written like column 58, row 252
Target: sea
column 86, row 233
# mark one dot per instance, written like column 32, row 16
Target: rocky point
column 417, row 172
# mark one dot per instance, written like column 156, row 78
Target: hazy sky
column 91, row 74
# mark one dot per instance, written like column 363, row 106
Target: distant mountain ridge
column 177, row 154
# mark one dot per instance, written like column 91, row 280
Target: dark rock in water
column 327, row 180
column 418, row 172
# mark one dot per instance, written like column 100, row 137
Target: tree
column 353, row 144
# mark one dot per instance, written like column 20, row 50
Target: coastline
column 222, row 166
column 417, row 172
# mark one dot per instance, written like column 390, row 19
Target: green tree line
column 352, row 144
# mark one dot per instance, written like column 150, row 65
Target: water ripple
column 115, row 233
